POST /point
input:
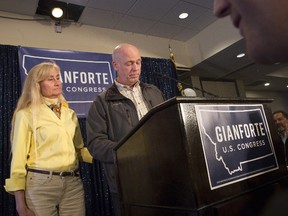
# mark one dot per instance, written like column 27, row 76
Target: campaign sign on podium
column 203, row 156
column 236, row 142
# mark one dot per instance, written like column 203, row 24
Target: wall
column 280, row 101
column 212, row 39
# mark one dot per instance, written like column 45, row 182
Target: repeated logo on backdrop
column 84, row 75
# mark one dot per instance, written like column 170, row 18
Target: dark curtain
column 160, row 72
column 10, row 88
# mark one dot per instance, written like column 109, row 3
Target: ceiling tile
column 27, row 7
column 152, row 10
column 202, row 22
column 194, row 12
column 79, row 2
column 134, row 24
column 164, row 30
column 100, row 18
column 120, row 6
column 204, row 3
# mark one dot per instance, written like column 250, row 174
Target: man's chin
column 134, row 80
column 261, row 58
column 263, row 54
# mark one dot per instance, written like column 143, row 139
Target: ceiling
column 160, row 18
column 225, row 66
column 156, row 18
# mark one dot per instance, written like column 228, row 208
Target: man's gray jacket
column 110, row 118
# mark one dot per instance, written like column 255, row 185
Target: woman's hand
column 21, row 206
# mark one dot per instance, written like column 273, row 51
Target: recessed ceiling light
column 183, row 15
column 240, row 55
column 57, row 12
column 266, row 84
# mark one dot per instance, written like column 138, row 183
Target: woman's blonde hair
column 31, row 93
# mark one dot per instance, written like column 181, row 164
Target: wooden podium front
column 199, row 156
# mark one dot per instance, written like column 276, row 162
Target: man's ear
column 115, row 65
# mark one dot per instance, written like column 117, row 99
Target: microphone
column 189, row 92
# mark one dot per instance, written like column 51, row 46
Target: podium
column 203, row 156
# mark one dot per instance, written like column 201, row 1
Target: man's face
column 263, row 24
column 281, row 122
column 128, row 65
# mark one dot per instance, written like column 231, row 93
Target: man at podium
column 118, row 110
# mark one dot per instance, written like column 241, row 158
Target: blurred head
column 281, row 121
column 127, row 62
column 263, row 24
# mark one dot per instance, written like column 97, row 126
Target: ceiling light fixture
column 183, row 15
column 57, row 12
column 266, row 84
column 240, row 55
column 70, row 12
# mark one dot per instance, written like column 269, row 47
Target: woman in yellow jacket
column 46, row 147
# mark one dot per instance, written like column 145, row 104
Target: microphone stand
column 180, row 87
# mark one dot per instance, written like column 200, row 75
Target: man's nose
column 221, row 8
column 278, row 122
column 135, row 65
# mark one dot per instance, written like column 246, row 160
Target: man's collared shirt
column 135, row 95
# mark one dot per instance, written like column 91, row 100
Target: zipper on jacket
column 151, row 105
column 128, row 117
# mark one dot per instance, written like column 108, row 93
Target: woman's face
column 52, row 86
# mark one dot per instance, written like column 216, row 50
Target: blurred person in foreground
column 46, row 147
column 263, row 24
column 117, row 111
